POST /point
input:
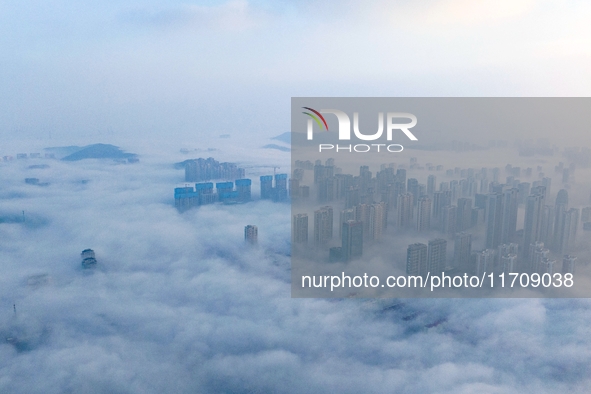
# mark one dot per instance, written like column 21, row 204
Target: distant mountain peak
column 99, row 151
column 285, row 137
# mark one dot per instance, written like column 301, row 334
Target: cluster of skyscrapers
column 199, row 170
column 356, row 225
column 477, row 202
column 277, row 192
column 203, row 194
column 432, row 258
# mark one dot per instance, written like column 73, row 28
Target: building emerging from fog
column 300, row 228
column 198, row 170
column 251, row 234
column 323, row 223
column 436, row 256
column 352, row 239
column 463, row 251
column 416, row 259
column 277, row 193
column 88, row 258
column 203, row 193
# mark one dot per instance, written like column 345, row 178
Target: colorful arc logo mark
column 316, row 117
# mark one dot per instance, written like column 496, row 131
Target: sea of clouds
column 180, row 304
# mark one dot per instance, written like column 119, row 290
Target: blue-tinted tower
column 243, row 187
column 266, row 187
column 280, row 192
column 224, row 190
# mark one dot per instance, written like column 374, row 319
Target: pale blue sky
column 156, row 67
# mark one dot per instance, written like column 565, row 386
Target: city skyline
column 194, row 296
column 486, row 202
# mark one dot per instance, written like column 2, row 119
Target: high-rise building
column 280, row 191
column 484, row 262
column 416, row 259
column 463, row 251
column 547, row 225
column 251, row 234
column 335, row 254
column 185, row 198
column 546, row 183
column 569, row 231
column 563, row 224
column 225, row 191
column 431, row 180
column 352, row 240
column 88, row 258
column 364, row 178
column 398, row 188
column 298, row 174
column 322, row 172
column 191, row 172
column 539, row 261
column 523, row 188
column 384, row 179
column 503, row 251
column 198, row 170
column 405, row 210
column 565, row 175
column 362, row 214
column 547, row 266
column 586, row 215
column 464, row 214
column 300, row 228
column 326, row 189
column 412, row 186
column 304, row 192
column 437, row 256
column 352, row 197
column 345, row 215
column 342, row 183
column 480, row 201
column 454, row 187
column 509, row 208
column 509, row 263
column 538, row 254
column 449, row 220
column 424, row 214
column 243, row 187
column 440, row 199
column 205, row 193
column 266, row 187
column 494, row 220
column 401, row 177
column 478, row 217
column 496, row 173
column 323, row 223
column 377, row 220
column 483, row 189
column 568, row 264
column 533, row 216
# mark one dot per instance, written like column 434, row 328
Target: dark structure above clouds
column 94, row 151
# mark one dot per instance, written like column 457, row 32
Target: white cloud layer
column 149, row 68
column 179, row 304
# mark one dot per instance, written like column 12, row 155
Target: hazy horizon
column 178, row 301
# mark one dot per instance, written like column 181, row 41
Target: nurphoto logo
column 344, row 132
